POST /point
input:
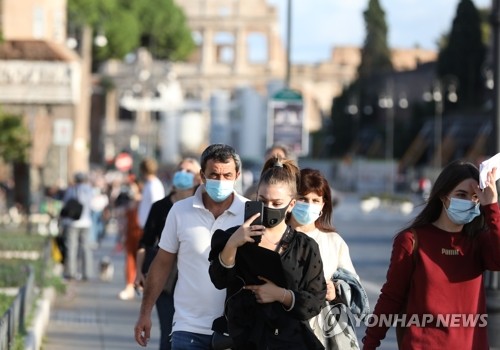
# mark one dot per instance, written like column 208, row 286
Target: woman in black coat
column 273, row 275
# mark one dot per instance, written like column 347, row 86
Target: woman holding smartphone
column 261, row 313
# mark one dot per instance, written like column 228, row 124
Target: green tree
column 364, row 92
column 164, row 28
column 159, row 25
column 375, row 54
column 14, row 138
column 463, row 56
column 344, row 123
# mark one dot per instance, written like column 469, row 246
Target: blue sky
column 319, row 25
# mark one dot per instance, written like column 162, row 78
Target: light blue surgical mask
column 462, row 211
column 305, row 213
column 219, row 190
column 183, row 180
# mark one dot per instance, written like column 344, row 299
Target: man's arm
column 139, row 276
column 157, row 277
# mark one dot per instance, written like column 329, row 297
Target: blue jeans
column 192, row 341
column 165, row 309
column 97, row 228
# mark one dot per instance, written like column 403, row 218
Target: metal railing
column 14, row 319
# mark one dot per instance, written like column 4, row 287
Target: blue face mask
column 219, row 190
column 305, row 213
column 183, row 180
column 462, row 211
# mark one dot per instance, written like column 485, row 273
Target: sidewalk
column 90, row 315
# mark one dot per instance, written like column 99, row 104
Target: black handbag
column 220, row 337
column 72, row 209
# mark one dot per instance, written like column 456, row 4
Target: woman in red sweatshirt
column 434, row 284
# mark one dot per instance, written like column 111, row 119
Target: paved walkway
column 90, row 315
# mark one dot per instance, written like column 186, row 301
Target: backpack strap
column 286, row 239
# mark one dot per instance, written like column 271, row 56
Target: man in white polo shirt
column 187, row 236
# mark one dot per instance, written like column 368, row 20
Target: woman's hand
column 139, row 280
column 267, row 292
column 330, row 290
column 241, row 236
column 245, row 232
column 489, row 194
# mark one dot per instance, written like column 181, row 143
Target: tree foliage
column 159, row 25
column 163, row 28
column 375, row 54
column 343, row 123
column 363, row 93
column 14, row 138
column 463, row 56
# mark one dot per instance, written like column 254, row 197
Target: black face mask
column 272, row 217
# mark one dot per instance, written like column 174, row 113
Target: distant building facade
column 223, row 31
column 41, row 81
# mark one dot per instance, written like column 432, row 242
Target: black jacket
column 153, row 229
column 270, row 326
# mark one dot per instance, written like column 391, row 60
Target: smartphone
column 252, row 208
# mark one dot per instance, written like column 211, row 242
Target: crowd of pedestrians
column 221, row 279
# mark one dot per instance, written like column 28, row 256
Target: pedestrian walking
column 152, row 190
column 76, row 223
column 275, row 151
column 312, row 215
column 186, row 237
column 437, row 263
column 130, row 236
column 270, row 312
column 185, row 181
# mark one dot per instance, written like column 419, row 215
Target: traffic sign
column 286, row 121
column 123, row 162
column 63, row 132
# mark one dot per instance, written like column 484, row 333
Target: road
column 369, row 237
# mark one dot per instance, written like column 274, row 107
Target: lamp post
column 288, row 43
column 444, row 90
column 386, row 102
column 353, row 111
column 437, row 96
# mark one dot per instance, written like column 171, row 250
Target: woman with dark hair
column 312, row 215
column 263, row 313
column 434, row 284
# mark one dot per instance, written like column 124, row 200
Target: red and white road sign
column 123, row 162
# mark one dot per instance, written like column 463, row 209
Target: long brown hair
column 311, row 180
column 279, row 171
column 453, row 174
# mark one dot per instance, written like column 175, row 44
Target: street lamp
column 353, row 111
column 447, row 87
column 437, row 97
column 288, row 43
column 386, row 102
